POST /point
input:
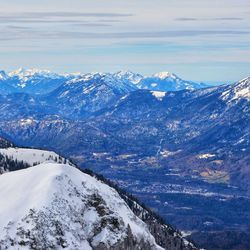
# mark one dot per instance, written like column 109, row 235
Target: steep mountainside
column 53, row 205
column 5, row 88
column 22, row 105
column 97, row 218
column 88, row 94
column 5, row 143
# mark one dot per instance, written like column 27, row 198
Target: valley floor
column 214, row 213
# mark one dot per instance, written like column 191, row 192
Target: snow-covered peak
column 87, row 77
column 164, row 75
column 25, row 73
column 166, row 81
column 36, row 81
column 242, row 89
column 129, row 76
column 3, row 75
column 237, row 91
column 57, row 206
column 99, row 78
column 17, row 72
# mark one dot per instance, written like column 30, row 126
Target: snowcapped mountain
column 88, row 94
column 128, row 76
column 5, row 88
column 53, row 205
column 237, row 91
column 114, row 127
column 39, row 82
column 162, row 81
column 3, row 75
column 33, row 81
column 166, row 81
column 142, row 121
column 60, row 207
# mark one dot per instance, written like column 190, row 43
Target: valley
column 202, row 208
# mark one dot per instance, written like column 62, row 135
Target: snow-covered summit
column 164, row 75
column 166, row 81
column 35, row 81
column 55, row 206
column 23, row 73
column 3, row 75
column 128, row 76
column 98, row 78
column 237, row 91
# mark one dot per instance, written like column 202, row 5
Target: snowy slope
column 3, row 75
column 128, row 76
column 237, row 91
column 166, row 81
column 55, row 206
column 32, row 156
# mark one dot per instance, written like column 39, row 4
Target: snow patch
column 205, row 156
column 158, row 94
column 164, row 75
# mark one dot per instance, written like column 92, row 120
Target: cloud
column 155, row 34
column 190, row 19
column 186, row 19
column 14, row 27
column 42, row 15
column 15, row 34
column 229, row 18
column 92, row 24
column 78, row 18
column 110, row 21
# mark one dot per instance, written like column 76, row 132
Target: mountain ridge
column 61, row 207
column 36, row 81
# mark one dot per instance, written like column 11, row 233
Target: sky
column 200, row 40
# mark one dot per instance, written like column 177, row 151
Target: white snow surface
column 24, row 74
column 237, row 91
column 3, row 75
column 129, row 76
column 35, row 199
column 164, row 75
column 158, row 94
column 31, row 156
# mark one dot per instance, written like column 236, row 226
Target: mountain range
column 179, row 146
column 35, row 81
